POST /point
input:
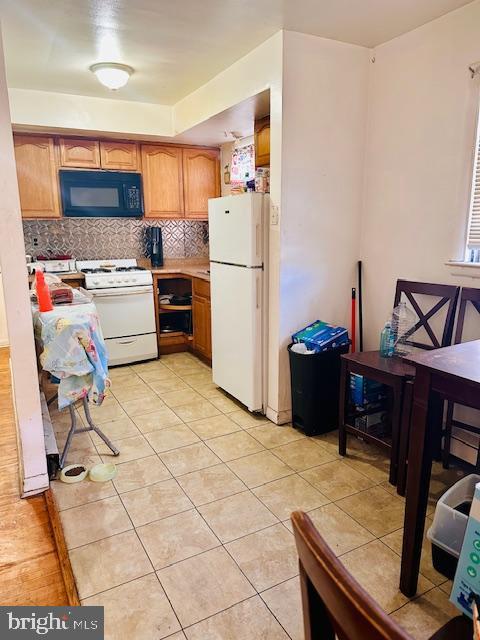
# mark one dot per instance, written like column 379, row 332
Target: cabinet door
column 201, row 173
column 37, row 177
column 208, row 318
column 79, row 153
column 162, row 181
column 122, row 156
column 262, row 142
column 200, row 325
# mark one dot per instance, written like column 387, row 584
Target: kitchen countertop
column 193, row 267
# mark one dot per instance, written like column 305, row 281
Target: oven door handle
column 120, row 294
column 127, row 341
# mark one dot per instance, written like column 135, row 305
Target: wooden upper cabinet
column 162, row 181
column 79, row 153
column 37, row 176
column 122, row 156
column 262, row 142
column 201, row 174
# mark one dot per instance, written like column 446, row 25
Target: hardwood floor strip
column 33, row 561
column 61, row 547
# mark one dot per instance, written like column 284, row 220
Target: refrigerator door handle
column 257, row 292
column 258, row 241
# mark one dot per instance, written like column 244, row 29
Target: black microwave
column 101, row 194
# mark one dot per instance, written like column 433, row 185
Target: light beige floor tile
column 285, row 602
column 74, row 495
column 210, row 390
column 132, row 391
column 120, row 373
column 138, row 609
column 302, row 454
column 368, row 459
column 272, row 435
column 140, row 473
column 157, row 375
column 130, row 449
column 197, row 410
column 204, row 585
column 109, row 410
column 213, row 427
column 81, row 443
column 422, row 617
column 105, row 564
column 198, row 379
column 170, row 384
column 155, row 501
column 336, row 480
column 259, row 468
column 141, row 406
column 329, row 441
column 210, row 484
column 181, row 397
column 151, row 365
column 82, row 457
column 340, row 531
column 236, row 516
column 266, row 557
column 447, row 587
column 94, row 521
column 375, row 509
column 248, row 620
column 394, row 540
column 187, row 368
column 377, row 569
column 235, row 445
column 161, row 419
column 187, row 459
column 245, row 419
column 176, row 538
column 224, row 404
column 116, row 430
column 172, row 438
column 289, row 494
column 177, row 636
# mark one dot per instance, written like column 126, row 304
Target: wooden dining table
column 451, row 373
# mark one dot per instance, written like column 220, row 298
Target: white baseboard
column 279, row 417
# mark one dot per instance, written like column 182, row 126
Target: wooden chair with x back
column 472, row 296
column 393, row 372
column 336, row 605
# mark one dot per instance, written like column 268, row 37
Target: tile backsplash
column 102, row 238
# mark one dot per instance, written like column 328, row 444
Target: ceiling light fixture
column 111, row 74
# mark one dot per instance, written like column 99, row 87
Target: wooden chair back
column 448, row 295
column 334, row 603
column 468, row 294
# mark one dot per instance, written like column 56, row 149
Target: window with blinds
column 473, row 238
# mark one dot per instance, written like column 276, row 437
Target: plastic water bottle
column 386, row 341
column 403, row 319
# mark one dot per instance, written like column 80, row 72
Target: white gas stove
column 108, row 274
column 123, row 294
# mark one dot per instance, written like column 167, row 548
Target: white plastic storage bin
column 448, row 529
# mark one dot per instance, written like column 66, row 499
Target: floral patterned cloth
column 74, row 352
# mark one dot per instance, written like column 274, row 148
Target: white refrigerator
column 238, row 231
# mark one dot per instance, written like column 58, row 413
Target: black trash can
column 315, row 381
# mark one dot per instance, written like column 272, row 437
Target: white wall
column 3, row 318
column 324, row 119
column 65, row 111
column 17, row 306
column 421, row 131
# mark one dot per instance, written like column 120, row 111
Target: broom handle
column 354, row 318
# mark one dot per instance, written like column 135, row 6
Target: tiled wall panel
column 100, row 238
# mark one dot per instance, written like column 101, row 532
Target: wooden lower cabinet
column 202, row 333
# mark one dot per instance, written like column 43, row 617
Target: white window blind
column 473, row 240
